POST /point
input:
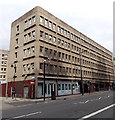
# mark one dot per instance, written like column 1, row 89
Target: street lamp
column 82, row 85
column 44, row 77
column 14, row 66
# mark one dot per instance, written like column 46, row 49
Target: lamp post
column 14, row 66
column 82, row 85
column 44, row 79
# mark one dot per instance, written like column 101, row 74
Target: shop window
column 62, row 86
column 59, row 87
column 66, row 87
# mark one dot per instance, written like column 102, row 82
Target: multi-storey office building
column 3, row 71
column 38, row 37
column 3, row 65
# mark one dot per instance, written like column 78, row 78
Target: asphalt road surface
column 89, row 106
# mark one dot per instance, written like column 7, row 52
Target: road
column 94, row 105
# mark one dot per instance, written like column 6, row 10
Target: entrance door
column 40, row 90
column 26, row 91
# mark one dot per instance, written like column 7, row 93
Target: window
column 66, row 56
column 59, row 87
column 55, row 52
column 50, row 24
column 62, row 86
column 62, row 42
column 62, row 55
column 59, row 29
column 34, row 19
column 25, row 37
column 68, row 45
column 41, row 34
column 17, row 28
column 29, row 34
column 46, row 35
column 28, row 66
column 46, row 22
column 69, row 87
column 69, row 70
column 50, row 37
column 59, row 41
column 30, row 21
column 26, row 22
column 50, row 52
column 59, row 54
column 66, row 87
column 54, row 39
column 33, row 33
column 24, row 52
column 62, row 30
column 4, row 76
column 16, row 54
column 29, row 51
column 41, row 65
column 32, row 66
column 41, row 49
column 17, row 41
column 69, row 57
column 54, row 27
column 33, row 49
column 24, row 67
column 46, row 51
column 55, row 67
column 41, row 19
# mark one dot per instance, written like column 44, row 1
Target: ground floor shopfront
column 33, row 89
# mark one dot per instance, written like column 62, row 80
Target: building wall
column 3, row 65
column 38, row 35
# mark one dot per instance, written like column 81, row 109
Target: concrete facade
column 3, row 65
column 37, row 36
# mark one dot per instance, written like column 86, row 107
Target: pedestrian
column 13, row 92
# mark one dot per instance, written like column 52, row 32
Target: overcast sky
column 94, row 18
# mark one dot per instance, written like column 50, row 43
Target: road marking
column 99, row 111
column 99, row 98
column 86, row 101
column 75, row 103
column 24, row 115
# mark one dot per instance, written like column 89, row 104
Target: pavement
column 6, row 102
column 72, row 106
